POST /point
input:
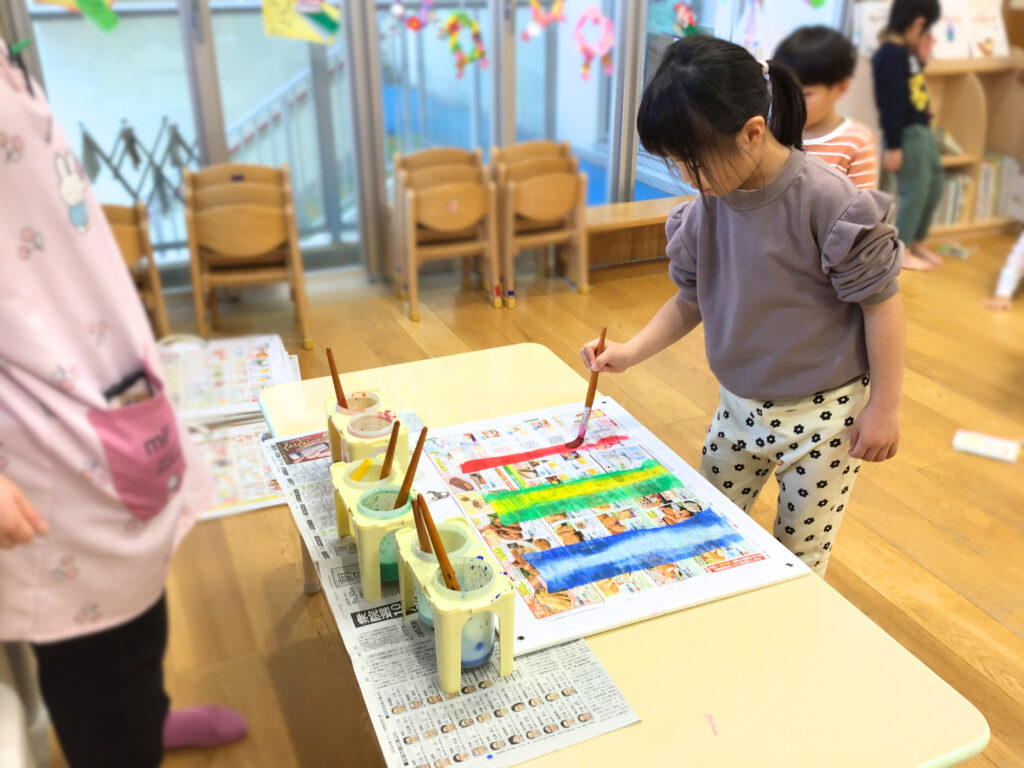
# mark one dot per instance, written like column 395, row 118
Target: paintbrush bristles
column 421, row 528
column 339, row 393
column 410, row 473
column 592, row 389
column 447, row 572
column 389, row 456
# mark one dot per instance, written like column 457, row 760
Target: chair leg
column 298, row 289
column 214, row 312
column 199, row 302
column 413, row 283
column 582, row 261
column 508, row 261
column 467, row 274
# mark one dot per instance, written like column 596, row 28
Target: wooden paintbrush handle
column 339, row 393
column 410, row 473
column 389, row 456
column 447, row 572
column 421, row 528
column 592, row 389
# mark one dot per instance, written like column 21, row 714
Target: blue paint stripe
column 590, row 561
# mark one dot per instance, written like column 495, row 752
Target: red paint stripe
column 490, row 462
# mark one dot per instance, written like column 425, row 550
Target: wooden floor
column 931, row 548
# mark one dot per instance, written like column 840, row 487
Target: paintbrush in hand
column 591, row 392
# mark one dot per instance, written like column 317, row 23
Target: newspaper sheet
column 555, row 698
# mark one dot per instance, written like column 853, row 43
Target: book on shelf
column 947, row 144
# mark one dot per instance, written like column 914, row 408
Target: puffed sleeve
column 862, row 255
column 682, row 266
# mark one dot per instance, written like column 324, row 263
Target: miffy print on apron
column 143, row 450
column 71, row 179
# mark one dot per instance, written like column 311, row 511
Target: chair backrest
column 529, row 150
column 242, row 193
column 451, row 207
column 438, row 156
column 436, row 175
column 239, row 231
column 537, row 166
column 126, row 224
column 227, row 173
column 546, row 198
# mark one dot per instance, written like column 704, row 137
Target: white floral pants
column 806, row 441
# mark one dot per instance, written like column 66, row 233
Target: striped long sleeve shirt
column 850, row 148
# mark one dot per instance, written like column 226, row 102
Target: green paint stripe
column 625, row 493
column 323, row 20
column 509, row 501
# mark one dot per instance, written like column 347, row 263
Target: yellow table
column 790, row 675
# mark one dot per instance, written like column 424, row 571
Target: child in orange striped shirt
column 824, row 60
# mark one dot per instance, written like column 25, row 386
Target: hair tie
column 764, row 68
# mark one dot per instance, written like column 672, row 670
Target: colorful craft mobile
column 413, row 21
column 686, row 21
column 456, row 23
column 816, row 4
column 542, row 18
column 602, row 49
column 97, row 11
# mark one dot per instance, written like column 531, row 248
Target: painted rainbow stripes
column 492, row 462
column 590, row 561
column 533, row 503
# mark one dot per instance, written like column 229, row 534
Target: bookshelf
column 980, row 102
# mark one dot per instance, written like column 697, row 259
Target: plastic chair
column 241, row 231
column 130, row 225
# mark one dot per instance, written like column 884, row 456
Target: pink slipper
column 207, row 726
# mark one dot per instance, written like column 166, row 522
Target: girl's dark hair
column 818, row 55
column 704, row 92
column 904, row 12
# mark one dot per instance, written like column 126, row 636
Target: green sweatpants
column 919, row 183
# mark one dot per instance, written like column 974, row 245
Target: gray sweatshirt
column 779, row 274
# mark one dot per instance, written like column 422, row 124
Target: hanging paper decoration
column 413, row 21
column 686, row 21
column 313, row 20
column 602, row 48
column 816, row 4
column 458, row 21
column 542, row 18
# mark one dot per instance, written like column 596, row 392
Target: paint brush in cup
column 410, row 473
column 447, row 572
column 421, row 528
column 591, row 392
column 389, row 456
column 339, row 393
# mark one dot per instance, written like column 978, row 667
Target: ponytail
column 788, row 111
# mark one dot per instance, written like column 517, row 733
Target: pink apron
column 119, row 485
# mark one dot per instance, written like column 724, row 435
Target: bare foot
column 916, row 263
column 919, row 250
column 998, row 304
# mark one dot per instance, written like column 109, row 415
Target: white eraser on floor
column 986, row 445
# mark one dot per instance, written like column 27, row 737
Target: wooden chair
column 413, row 163
column 450, row 220
column 528, row 150
column 542, row 201
column 130, row 225
column 241, row 231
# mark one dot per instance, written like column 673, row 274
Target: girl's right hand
column 615, row 358
column 19, row 520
